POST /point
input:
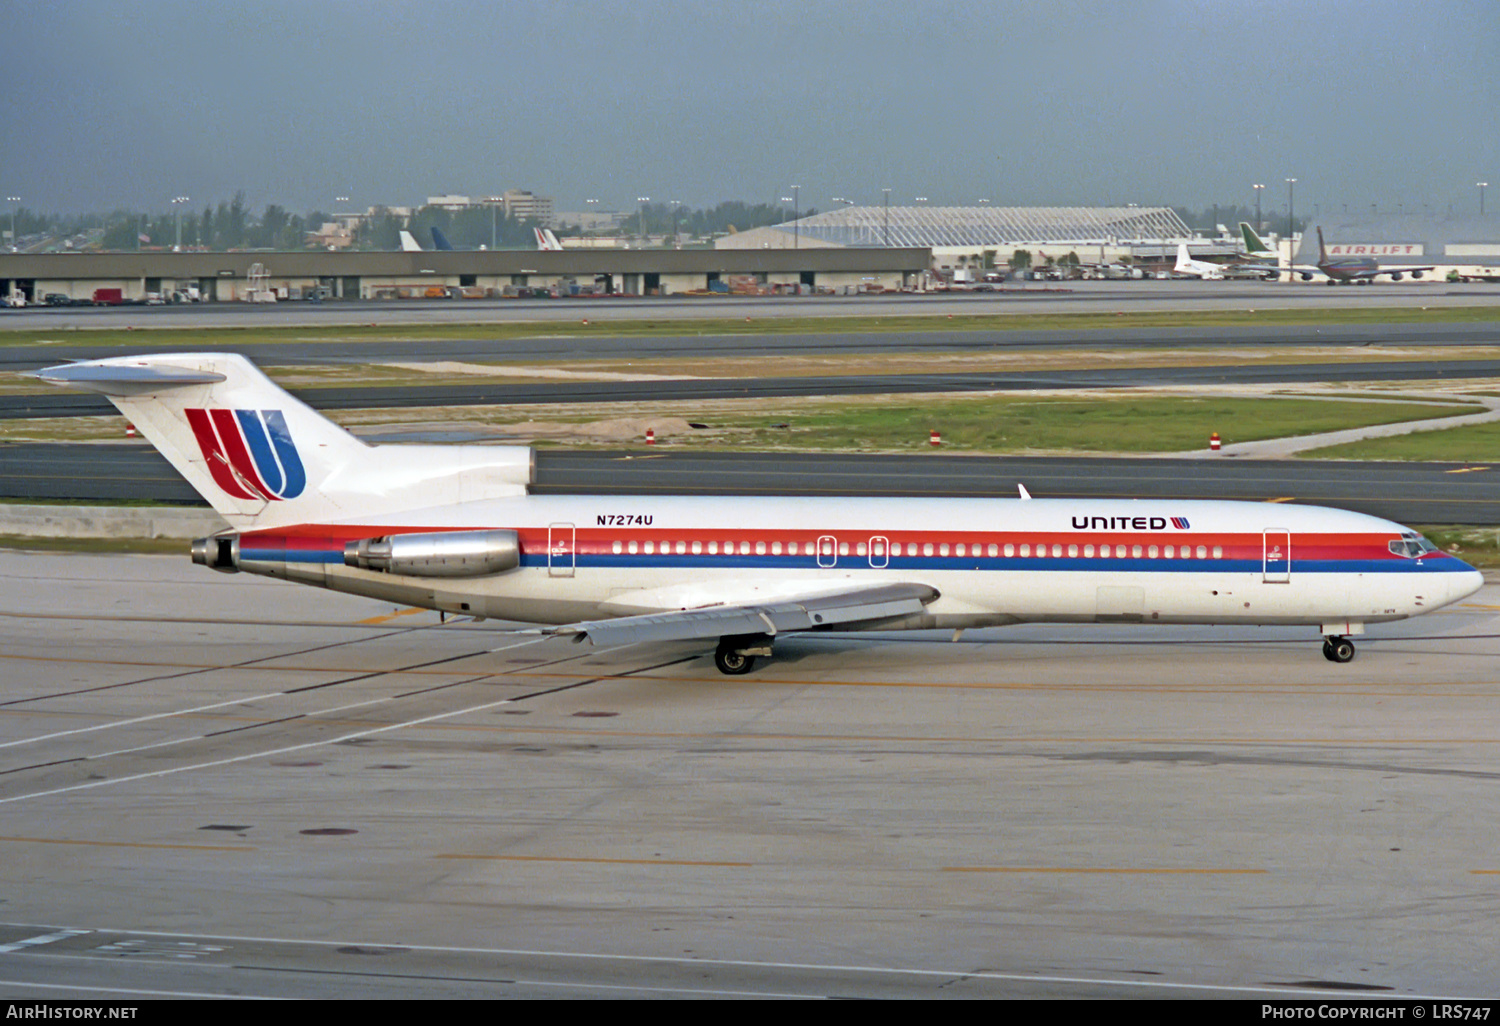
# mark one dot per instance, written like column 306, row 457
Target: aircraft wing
column 852, row 605
column 1393, row 271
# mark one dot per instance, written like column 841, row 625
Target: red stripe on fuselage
column 600, row 541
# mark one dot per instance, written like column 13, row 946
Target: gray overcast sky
column 130, row 102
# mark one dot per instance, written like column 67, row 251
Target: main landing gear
column 736, row 653
column 1337, row 649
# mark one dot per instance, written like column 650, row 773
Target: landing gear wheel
column 1338, row 650
column 732, row 662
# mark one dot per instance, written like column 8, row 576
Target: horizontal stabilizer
column 124, row 379
column 854, row 605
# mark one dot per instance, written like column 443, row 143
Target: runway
column 214, row 785
column 1410, row 493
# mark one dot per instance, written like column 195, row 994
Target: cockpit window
column 1411, row 546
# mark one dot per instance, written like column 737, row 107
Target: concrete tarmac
column 221, row 785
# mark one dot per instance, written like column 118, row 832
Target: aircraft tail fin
column 1322, row 249
column 1254, row 246
column 409, row 243
column 546, row 241
column 439, row 240
column 264, row 458
column 1184, row 261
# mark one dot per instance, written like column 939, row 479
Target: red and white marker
column 1213, row 442
column 650, row 436
column 936, row 439
column 129, row 430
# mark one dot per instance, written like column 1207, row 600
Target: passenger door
column 1276, row 556
column 560, row 550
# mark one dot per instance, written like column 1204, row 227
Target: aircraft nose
column 1463, row 583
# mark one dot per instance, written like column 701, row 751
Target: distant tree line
column 232, row 225
column 1230, row 215
column 726, row 217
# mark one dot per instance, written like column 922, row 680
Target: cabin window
column 744, row 548
column 1169, row 551
column 1135, row 551
column 634, row 548
column 1057, row 552
column 994, row 551
column 791, row 548
column 959, row 549
column 1025, row 550
column 1202, row 552
column 650, row 548
column 843, row 548
column 1088, row 552
column 760, row 548
column 776, row 548
column 697, row 548
column 713, row 548
column 1072, row 551
column 1010, row 550
column 860, row 550
column 1218, row 552
column 927, row 549
column 1151, row 552
column 943, row 549
column 618, row 547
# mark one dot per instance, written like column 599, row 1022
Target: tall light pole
column 15, row 202
column 335, row 213
column 1291, row 220
column 494, row 202
column 796, row 216
column 1482, row 187
column 177, row 202
column 643, row 200
column 1259, row 224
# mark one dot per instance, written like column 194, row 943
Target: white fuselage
column 992, row 561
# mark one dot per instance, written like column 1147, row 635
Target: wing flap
column 876, row 602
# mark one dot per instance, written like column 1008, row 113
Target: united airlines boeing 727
column 455, row 528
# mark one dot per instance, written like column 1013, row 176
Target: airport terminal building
column 273, row 276
column 852, row 249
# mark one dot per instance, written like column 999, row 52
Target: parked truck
column 109, row 297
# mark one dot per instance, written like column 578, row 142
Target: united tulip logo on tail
column 250, row 453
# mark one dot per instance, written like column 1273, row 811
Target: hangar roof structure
column 936, row 227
